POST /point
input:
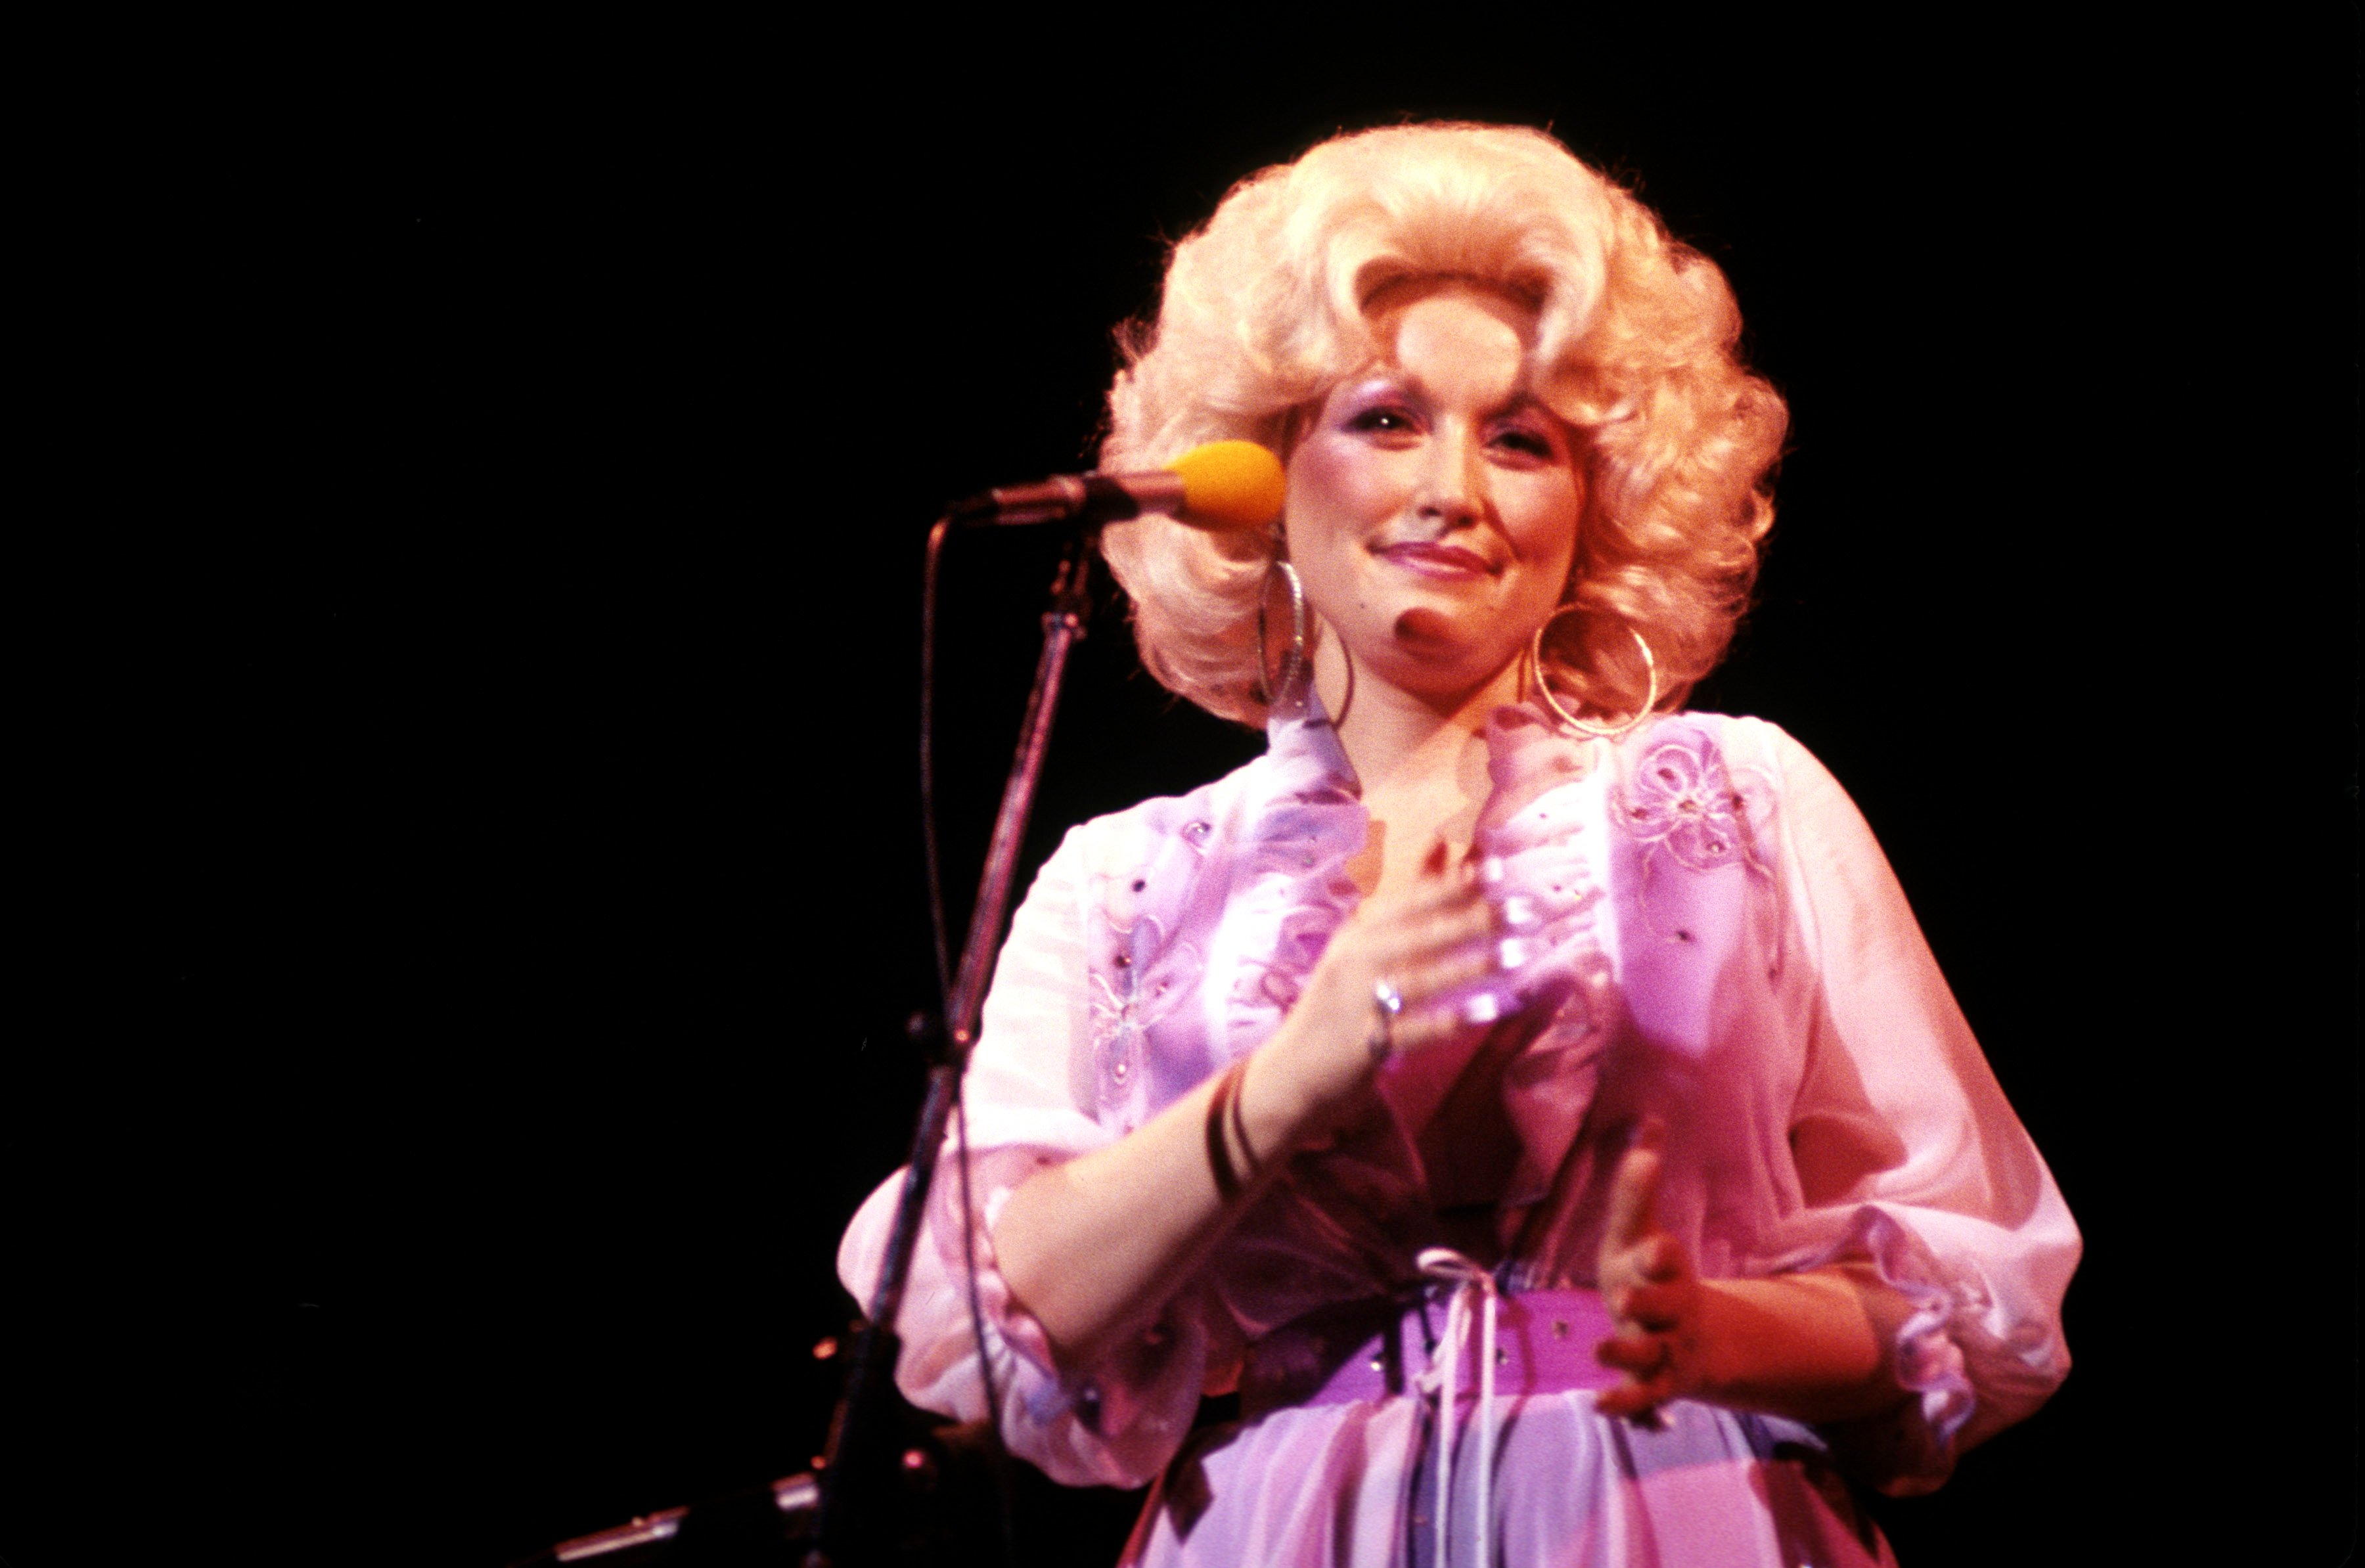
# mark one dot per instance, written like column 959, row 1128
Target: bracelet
column 1240, row 1117
column 1223, row 1113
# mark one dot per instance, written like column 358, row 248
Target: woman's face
column 1434, row 504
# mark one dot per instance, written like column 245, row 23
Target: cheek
column 1545, row 523
column 1342, row 480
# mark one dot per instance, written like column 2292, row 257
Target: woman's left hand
column 1653, row 1296
column 1813, row 1345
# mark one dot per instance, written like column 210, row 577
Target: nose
column 1453, row 481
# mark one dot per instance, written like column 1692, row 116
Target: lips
column 1444, row 560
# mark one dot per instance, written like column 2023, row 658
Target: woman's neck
column 1396, row 738
column 1422, row 761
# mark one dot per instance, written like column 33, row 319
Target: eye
column 1527, row 442
column 1385, row 418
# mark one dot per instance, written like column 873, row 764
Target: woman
column 1538, row 1102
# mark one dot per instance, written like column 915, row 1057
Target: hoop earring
column 1282, row 690
column 1568, row 719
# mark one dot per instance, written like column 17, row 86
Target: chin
column 1440, row 675
column 1461, row 641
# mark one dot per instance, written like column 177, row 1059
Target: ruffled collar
column 1523, row 1109
column 1527, row 755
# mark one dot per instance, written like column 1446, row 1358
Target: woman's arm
column 1908, row 1155
column 1813, row 1346
column 1094, row 1248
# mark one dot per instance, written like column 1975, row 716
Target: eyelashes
column 1533, row 443
column 1393, row 419
column 1385, row 418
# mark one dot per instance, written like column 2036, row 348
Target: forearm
column 1815, row 1346
column 1094, row 1248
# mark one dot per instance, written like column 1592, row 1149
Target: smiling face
column 1434, row 504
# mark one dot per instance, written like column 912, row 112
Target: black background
column 486, row 787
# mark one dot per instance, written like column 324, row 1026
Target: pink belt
column 1542, row 1342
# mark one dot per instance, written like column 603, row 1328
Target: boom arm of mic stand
column 852, row 1438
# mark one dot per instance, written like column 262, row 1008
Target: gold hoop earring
column 1569, row 719
column 1282, row 690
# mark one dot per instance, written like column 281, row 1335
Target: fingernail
column 1483, row 1008
column 1518, row 912
column 1514, row 952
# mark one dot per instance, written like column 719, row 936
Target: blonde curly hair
column 1264, row 312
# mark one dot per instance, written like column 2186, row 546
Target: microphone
column 1223, row 485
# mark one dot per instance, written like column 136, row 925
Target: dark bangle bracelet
column 1223, row 1108
column 1240, row 1117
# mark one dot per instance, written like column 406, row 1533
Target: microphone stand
column 854, row 1476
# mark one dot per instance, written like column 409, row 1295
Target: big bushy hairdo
column 1263, row 314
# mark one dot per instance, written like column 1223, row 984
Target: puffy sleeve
column 1028, row 1096
column 1908, row 1156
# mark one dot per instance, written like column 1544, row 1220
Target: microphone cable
column 997, row 1452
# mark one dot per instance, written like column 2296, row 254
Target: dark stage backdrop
column 527, row 901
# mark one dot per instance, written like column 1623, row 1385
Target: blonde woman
column 1536, row 1101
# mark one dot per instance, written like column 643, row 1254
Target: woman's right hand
column 1145, row 1210
column 1429, row 942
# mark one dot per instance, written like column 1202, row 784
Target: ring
column 1388, row 1002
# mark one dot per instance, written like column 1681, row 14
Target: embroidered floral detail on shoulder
column 1146, row 989
column 1684, row 799
column 1146, row 976
column 1144, row 867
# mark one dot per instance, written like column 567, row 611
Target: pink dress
column 1722, row 945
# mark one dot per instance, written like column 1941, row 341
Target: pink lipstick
column 1446, row 561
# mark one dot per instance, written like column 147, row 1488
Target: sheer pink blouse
column 1722, row 945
